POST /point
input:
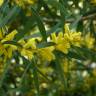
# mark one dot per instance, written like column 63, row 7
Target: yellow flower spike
column 30, row 44
column 21, row 42
column 28, row 48
column 61, row 44
column 27, row 53
column 67, row 37
column 73, row 37
column 7, row 49
column 60, row 37
column 89, row 41
column 63, row 41
column 68, row 34
column 46, row 53
column 10, row 49
column 57, row 39
column 10, row 36
column 63, row 47
column 1, row 2
column 2, row 49
column 76, row 38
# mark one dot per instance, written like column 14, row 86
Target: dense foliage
column 47, row 47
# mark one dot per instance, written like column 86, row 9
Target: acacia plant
column 47, row 47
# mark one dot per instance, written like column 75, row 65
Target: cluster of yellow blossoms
column 64, row 41
column 89, row 41
column 27, row 48
column 7, row 49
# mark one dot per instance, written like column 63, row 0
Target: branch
column 47, row 20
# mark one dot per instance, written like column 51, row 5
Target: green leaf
column 15, row 10
column 27, row 27
column 22, row 86
column 35, row 76
column 63, row 13
column 75, row 55
column 39, row 23
column 6, row 69
column 12, row 43
column 45, row 44
column 60, row 71
column 75, row 23
column 80, row 26
column 55, row 29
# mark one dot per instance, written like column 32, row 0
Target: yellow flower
column 46, row 53
column 63, row 41
column 7, row 49
column 63, row 47
column 21, row 42
column 30, row 44
column 73, row 37
column 10, row 49
column 27, row 53
column 2, row 50
column 1, row 2
column 61, row 44
column 89, row 40
column 28, row 48
column 57, row 39
column 10, row 36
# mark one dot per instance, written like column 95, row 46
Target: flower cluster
column 65, row 40
column 88, row 41
column 7, row 49
column 28, row 48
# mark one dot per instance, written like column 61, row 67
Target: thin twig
column 71, row 20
